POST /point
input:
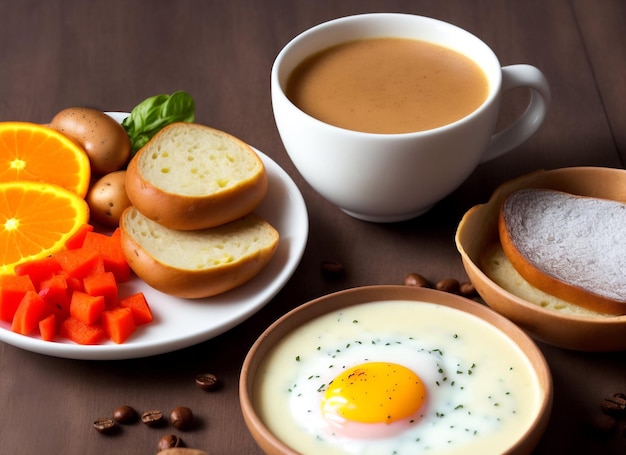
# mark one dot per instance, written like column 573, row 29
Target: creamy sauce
column 482, row 391
column 388, row 85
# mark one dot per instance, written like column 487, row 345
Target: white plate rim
column 283, row 207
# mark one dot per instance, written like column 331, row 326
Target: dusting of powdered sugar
column 578, row 240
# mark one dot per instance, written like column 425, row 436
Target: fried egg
column 363, row 381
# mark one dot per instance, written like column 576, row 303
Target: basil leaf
column 151, row 115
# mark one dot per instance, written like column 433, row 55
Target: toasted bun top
column 570, row 246
column 190, row 176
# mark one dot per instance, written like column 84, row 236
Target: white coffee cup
column 394, row 177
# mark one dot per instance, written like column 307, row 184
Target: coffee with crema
column 388, row 85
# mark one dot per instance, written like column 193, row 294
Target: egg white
column 443, row 420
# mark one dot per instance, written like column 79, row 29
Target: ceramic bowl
column 272, row 445
column 479, row 228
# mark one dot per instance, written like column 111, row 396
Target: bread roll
column 196, row 264
column 571, row 247
column 191, row 176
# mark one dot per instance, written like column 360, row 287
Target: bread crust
column 183, row 212
column 192, row 284
column 550, row 284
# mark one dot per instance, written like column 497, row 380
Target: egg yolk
column 374, row 392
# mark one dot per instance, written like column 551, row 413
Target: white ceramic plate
column 179, row 323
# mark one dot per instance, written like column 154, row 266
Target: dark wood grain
column 111, row 54
column 603, row 26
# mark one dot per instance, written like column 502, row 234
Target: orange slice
column 33, row 152
column 36, row 220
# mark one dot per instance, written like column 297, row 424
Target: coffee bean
column 152, row 418
column 182, row 451
column 615, row 405
column 448, row 285
column 125, row 414
column 415, row 279
column 332, row 269
column 104, row 425
column 168, row 441
column 207, row 381
column 467, row 289
column 182, row 418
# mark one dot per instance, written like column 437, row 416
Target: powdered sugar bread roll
column 191, row 176
column 572, row 247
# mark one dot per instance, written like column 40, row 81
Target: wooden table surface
column 112, row 54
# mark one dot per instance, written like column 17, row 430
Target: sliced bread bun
column 571, row 247
column 191, row 176
column 196, row 264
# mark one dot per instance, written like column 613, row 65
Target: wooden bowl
column 272, row 445
column 479, row 228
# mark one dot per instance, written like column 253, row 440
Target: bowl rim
column 372, row 293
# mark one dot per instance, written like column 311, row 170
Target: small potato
column 107, row 198
column 106, row 142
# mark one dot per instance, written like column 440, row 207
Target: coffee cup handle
column 528, row 123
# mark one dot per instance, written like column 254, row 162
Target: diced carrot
column 96, row 241
column 139, row 306
column 39, row 269
column 111, row 250
column 48, row 327
column 74, row 293
column 74, row 284
column 103, row 284
column 81, row 333
column 115, row 259
column 56, row 293
column 118, row 324
column 30, row 311
column 79, row 263
column 12, row 290
column 76, row 241
column 86, row 308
